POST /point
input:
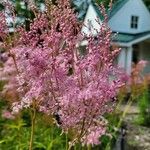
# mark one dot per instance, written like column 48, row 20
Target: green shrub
column 144, row 107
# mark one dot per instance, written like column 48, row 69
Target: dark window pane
column 132, row 25
column 134, row 22
column 136, row 19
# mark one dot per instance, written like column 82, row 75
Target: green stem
column 72, row 143
column 89, row 147
column 32, row 129
column 124, row 113
column 66, row 141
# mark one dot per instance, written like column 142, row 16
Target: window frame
column 134, row 22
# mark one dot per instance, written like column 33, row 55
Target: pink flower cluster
column 3, row 25
column 52, row 73
column 8, row 75
column 137, row 76
column 7, row 114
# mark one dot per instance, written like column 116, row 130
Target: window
column 90, row 25
column 82, row 50
column 134, row 22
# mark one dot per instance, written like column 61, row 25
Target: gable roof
column 120, row 37
column 97, row 9
column 115, row 8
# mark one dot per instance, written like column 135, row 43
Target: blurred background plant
column 140, row 87
column 144, row 107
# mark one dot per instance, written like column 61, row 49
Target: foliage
column 16, row 133
column 139, row 92
column 144, row 107
column 147, row 2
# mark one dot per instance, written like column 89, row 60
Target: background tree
column 147, row 2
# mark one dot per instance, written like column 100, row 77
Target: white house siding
column 91, row 16
column 129, row 59
column 122, row 58
column 125, row 59
column 121, row 20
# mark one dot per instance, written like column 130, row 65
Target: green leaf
column 2, row 141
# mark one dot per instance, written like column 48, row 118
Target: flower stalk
column 33, row 115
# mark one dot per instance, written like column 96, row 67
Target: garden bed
column 137, row 136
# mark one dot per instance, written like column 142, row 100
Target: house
column 130, row 19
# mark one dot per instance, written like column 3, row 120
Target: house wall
column 122, row 58
column 120, row 22
column 91, row 16
column 125, row 59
